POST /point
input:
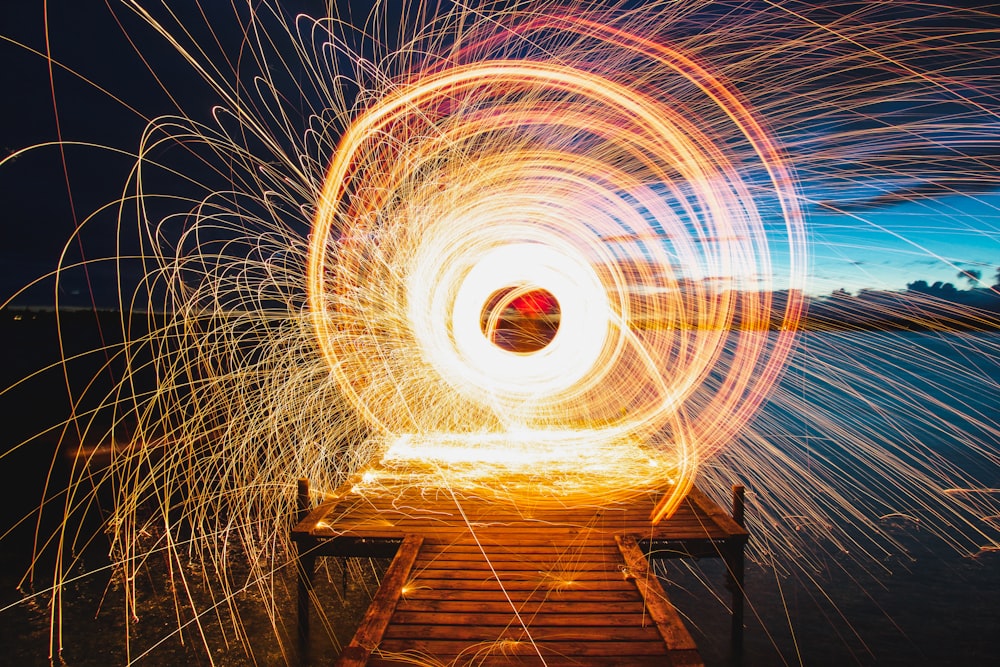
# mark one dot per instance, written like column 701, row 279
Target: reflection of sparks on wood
column 318, row 307
column 557, row 581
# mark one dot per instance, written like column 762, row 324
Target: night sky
column 104, row 103
column 884, row 243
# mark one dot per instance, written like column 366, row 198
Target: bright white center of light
column 472, row 363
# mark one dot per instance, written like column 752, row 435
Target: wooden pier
column 474, row 581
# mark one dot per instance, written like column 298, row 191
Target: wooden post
column 304, row 503
column 306, row 568
column 739, row 505
column 735, row 562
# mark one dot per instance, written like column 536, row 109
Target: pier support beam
column 735, row 564
column 306, row 569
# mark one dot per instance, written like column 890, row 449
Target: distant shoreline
column 818, row 316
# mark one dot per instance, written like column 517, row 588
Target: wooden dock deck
column 474, row 581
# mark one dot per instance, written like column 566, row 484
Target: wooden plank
column 478, row 511
column 551, row 586
column 582, row 605
column 517, row 536
column 442, row 649
column 553, row 551
column 440, row 532
column 615, row 595
column 473, row 660
column 470, row 660
column 491, row 518
column 470, row 548
column 510, row 563
column 376, row 618
column 484, row 571
column 542, row 616
column 388, row 517
column 716, row 513
column 514, row 632
column 675, row 634
column 475, row 509
column 305, row 526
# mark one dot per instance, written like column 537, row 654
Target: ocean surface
column 898, row 584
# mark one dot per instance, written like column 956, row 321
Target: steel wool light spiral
column 557, row 156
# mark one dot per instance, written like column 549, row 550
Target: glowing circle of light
column 491, row 373
column 471, row 178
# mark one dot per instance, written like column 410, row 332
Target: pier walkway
column 474, row 581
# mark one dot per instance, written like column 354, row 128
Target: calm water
column 931, row 400
column 922, row 602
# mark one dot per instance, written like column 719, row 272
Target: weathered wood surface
column 683, row 650
column 501, row 583
column 377, row 617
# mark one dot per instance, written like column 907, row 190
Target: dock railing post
column 305, row 566
column 303, row 501
column 735, row 565
column 739, row 505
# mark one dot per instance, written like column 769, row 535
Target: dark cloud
column 918, row 174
